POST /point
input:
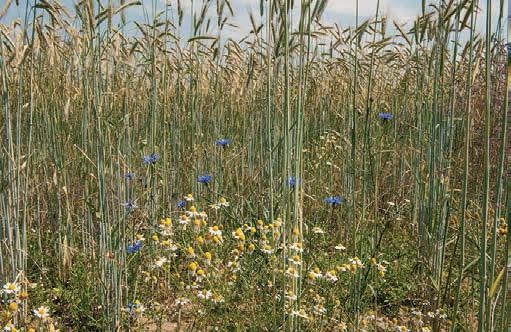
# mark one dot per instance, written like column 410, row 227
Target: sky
column 341, row 12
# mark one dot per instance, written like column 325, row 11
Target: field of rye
column 164, row 174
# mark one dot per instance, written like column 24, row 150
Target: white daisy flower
column 11, row 288
column 204, row 294
column 181, row 301
column 340, row 247
column 42, row 312
column 160, row 261
column 317, row 230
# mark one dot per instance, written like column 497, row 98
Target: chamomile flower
column 314, row 275
column 207, row 257
column 181, row 301
column 203, row 215
column 319, row 309
column 342, row 268
column 160, row 261
column 204, row 294
column 381, row 269
column 267, row 249
column 215, row 231
column 169, row 245
column 42, row 312
column 331, row 276
column 355, row 262
column 402, row 328
column 200, row 274
column 192, row 268
column 317, row 230
column 296, row 246
column 234, row 266
column 300, row 313
column 340, row 247
column 10, row 327
column 184, row 220
column 11, row 288
column 217, row 298
column 290, row 296
column 190, row 252
column 189, row 198
column 296, row 260
column 238, row 234
column 223, row 202
column 292, row 272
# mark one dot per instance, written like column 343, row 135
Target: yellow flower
column 241, row 247
column 13, row 306
column 239, row 235
column 193, row 266
column 296, row 260
column 251, row 248
column 189, row 251
column 154, row 237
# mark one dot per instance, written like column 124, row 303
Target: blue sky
column 337, row 11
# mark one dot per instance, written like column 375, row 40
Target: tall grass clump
column 164, row 168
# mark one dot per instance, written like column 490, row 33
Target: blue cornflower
column 181, row 204
column 154, row 157
column 129, row 205
column 135, row 247
column 385, row 116
column 151, row 159
column 129, row 176
column 205, row 179
column 223, row 142
column 292, row 181
column 333, row 200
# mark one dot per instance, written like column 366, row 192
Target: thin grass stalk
column 482, row 319
column 466, row 158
